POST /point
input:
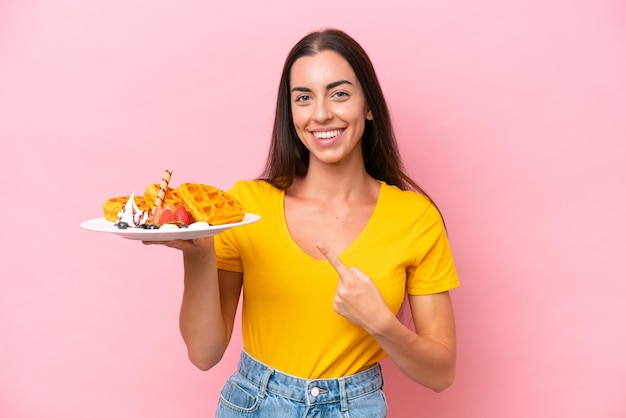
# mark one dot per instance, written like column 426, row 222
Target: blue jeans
column 259, row 391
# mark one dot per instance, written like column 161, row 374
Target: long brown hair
column 289, row 158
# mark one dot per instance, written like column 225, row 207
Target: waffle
column 171, row 196
column 113, row 205
column 210, row 204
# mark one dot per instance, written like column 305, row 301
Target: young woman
column 345, row 237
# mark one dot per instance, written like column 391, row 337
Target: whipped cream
column 199, row 225
column 131, row 214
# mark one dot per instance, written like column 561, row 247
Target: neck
column 335, row 182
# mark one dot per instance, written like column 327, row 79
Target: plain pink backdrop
column 511, row 114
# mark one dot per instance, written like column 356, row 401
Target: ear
column 369, row 115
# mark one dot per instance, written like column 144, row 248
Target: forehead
column 321, row 68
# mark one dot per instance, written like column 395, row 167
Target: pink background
column 510, row 113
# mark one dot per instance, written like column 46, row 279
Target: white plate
column 102, row 225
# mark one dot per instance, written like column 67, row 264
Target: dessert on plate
column 164, row 207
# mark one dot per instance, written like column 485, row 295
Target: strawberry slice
column 162, row 215
column 181, row 215
column 167, row 215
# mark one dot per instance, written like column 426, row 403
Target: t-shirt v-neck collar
column 353, row 245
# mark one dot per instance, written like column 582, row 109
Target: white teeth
column 327, row 134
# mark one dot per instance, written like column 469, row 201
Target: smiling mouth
column 327, row 134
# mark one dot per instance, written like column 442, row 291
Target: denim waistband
column 311, row 391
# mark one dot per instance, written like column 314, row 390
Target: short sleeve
column 433, row 270
column 226, row 249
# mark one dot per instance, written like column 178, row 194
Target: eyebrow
column 328, row 86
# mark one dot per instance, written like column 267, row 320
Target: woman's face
column 328, row 107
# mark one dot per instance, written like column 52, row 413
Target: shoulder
column 254, row 192
column 404, row 199
column 254, row 187
column 411, row 206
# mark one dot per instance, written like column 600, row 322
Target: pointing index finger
column 334, row 259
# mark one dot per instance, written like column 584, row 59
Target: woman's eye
column 341, row 95
column 302, row 98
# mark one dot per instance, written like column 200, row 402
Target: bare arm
column 209, row 303
column 427, row 356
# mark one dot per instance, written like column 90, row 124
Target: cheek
column 299, row 122
column 298, row 118
column 353, row 114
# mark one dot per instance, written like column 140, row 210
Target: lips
column 327, row 134
column 326, row 138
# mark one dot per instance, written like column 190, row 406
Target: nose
column 322, row 111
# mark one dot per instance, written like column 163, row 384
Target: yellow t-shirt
column 288, row 319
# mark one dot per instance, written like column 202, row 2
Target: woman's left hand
column 428, row 356
column 357, row 297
